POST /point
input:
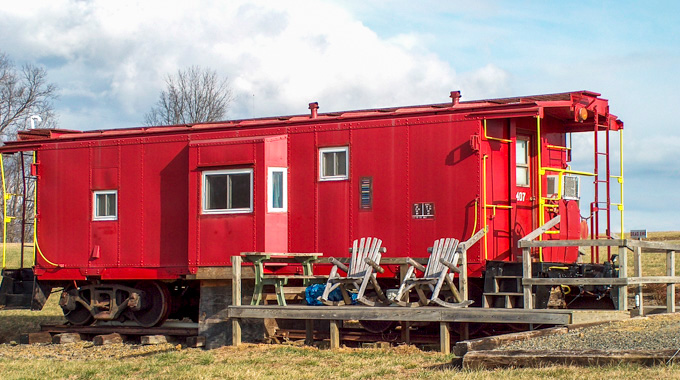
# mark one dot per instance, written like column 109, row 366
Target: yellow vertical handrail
column 36, row 247
column 484, row 203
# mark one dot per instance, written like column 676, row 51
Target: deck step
column 510, row 299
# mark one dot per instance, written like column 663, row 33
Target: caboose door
column 525, row 185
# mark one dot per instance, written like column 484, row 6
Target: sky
column 110, row 59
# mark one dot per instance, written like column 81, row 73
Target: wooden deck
column 443, row 316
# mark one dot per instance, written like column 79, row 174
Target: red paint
column 429, row 154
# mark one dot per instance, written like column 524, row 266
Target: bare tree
column 193, row 95
column 24, row 93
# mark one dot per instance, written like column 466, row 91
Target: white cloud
column 279, row 56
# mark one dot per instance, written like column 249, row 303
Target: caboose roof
column 559, row 105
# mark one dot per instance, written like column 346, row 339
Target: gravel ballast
column 658, row 332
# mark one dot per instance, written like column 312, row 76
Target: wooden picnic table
column 260, row 259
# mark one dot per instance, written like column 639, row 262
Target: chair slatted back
column 361, row 249
column 443, row 248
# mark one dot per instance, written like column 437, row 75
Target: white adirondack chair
column 444, row 258
column 361, row 273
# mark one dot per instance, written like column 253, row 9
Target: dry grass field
column 85, row 361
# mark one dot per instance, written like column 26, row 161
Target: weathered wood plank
column 531, row 358
column 335, row 334
column 670, row 288
column 623, row 273
column 65, row 338
column 34, row 338
column 153, row 339
column 575, row 281
column 573, row 243
column 542, row 229
column 444, row 338
column 654, row 280
column 220, row 273
column 101, row 340
column 657, row 245
column 236, row 299
column 493, row 342
column 526, row 274
column 420, row 314
column 637, row 265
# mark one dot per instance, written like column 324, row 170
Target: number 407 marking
column 520, row 196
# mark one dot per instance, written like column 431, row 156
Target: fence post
column 463, row 277
column 526, row 269
column 623, row 273
column 335, row 334
column 236, row 299
column 639, row 296
column 444, row 338
column 670, row 288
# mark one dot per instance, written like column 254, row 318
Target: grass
column 13, row 255
column 282, row 362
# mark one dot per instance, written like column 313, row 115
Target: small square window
column 333, row 163
column 277, row 190
column 228, row 191
column 105, row 205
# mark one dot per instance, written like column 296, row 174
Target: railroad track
column 173, row 332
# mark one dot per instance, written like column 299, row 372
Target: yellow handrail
column 474, row 227
column 484, row 202
column 494, row 138
column 35, row 225
column 567, row 171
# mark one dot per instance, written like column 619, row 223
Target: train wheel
column 79, row 315
column 155, row 304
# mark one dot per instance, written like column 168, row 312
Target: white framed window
column 105, row 205
column 334, row 163
column 277, row 190
column 522, row 162
column 227, row 191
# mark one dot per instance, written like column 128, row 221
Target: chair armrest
column 449, row 264
column 381, row 250
column 338, row 264
column 375, row 266
column 415, row 264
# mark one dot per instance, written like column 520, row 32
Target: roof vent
column 455, row 97
column 314, row 107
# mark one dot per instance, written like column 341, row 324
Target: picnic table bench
column 260, row 259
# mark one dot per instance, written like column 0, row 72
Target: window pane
column 328, row 164
column 239, row 190
column 216, row 192
column 521, row 152
column 522, row 176
column 277, row 189
column 101, row 205
column 110, row 204
column 341, row 163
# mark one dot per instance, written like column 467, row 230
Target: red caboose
column 154, row 208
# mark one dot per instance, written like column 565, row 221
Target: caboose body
column 168, row 203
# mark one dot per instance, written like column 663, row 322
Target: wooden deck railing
column 622, row 282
